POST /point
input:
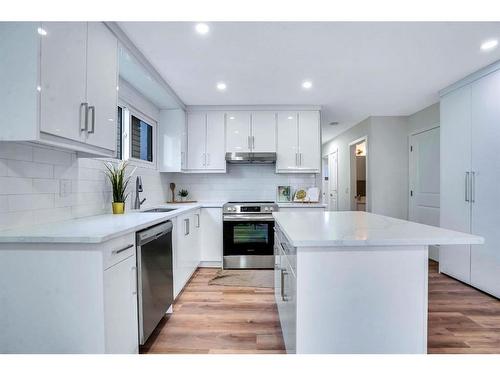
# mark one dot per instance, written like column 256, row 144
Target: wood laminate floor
column 221, row 319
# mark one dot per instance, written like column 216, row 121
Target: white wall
column 387, row 185
column 241, row 183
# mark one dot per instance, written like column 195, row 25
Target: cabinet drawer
column 118, row 249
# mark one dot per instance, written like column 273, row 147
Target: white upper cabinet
column 238, row 132
column 251, row 131
column 205, row 142
column 299, row 146
column 263, row 137
column 196, row 136
column 172, row 140
column 309, row 141
column 288, row 148
column 215, row 155
column 63, row 73
column 102, row 81
column 72, row 69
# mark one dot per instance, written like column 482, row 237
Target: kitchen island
column 354, row 282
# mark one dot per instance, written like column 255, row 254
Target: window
column 141, row 139
column 119, row 134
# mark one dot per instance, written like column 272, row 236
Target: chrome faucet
column 138, row 189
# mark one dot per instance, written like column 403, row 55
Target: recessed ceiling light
column 42, row 31
column 290, row 117
column 307, row 84
column 489, row 44
column 221, row 86
column 202, row 28
column 231, row 118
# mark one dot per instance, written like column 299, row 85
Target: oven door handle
column 249, row 218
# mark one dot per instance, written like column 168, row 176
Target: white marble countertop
column 350, row 228
column 96, row 229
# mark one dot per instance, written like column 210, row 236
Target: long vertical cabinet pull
column 84, row 116
column 253, row 142
column 186, row 227
column 467, row 175
column 133, row 280
column 473, row 187
column 92, row 118
column 249, row 143
column 197, row 220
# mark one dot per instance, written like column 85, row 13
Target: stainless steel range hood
column 251, row 157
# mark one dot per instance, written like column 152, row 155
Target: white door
column 63, row 79
column 120, row 294
column 102, row 80
column 196, row 137
column 287, row 151
column 424, row 180
column 455, row 155
column 238, row 132
column 485, row 259
column 216, row 135
column 264, row 131
column 333, row 181
column 309, row 141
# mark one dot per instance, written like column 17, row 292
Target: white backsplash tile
column 32, row 176
column 241, row 182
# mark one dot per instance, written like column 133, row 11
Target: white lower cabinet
column 186, row 248
column 64, row 298
column 285, row 284
column 120, row 296
column 211, row 235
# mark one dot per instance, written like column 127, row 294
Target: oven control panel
column 250, row 208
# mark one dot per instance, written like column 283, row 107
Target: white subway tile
column 15, row 185
column 43, row 185
column 4, row 203
column 16, row 151
column 50, row 156
column 16, row 168
column 3, row 167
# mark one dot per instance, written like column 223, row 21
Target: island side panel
column 362, row 299
column 51, row 299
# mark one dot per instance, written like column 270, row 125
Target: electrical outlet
column 64, row 188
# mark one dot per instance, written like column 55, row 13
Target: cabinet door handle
column 83, row 116
column 297, row 159
column 203, row 159
column 253, row 142
column 467, row 186
column 186, row 227
column 284, row 297
column 300, row 158
column 92, row 118
column 473, row 187
column 114, row 252
column 208, row 158
column 197, row 220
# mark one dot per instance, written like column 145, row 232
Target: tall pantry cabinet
column 470, row 178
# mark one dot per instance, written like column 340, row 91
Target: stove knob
column 266, row 208
column 270, row 208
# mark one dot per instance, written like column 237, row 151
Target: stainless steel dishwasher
column 155, row 278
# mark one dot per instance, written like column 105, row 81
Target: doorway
column 330, row 180
column 358, row 151
column 424, row 180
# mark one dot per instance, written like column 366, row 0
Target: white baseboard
column 210, row 264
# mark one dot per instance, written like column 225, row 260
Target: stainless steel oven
column 248, row 234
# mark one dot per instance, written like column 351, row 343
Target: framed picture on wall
column 284, row 194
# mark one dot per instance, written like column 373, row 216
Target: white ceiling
column 358, row 69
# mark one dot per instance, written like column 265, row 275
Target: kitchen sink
column 160, row 210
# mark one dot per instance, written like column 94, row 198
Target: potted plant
column 183, row 193
column 119, row 183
